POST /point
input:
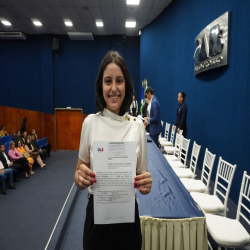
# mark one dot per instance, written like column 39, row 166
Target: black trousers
column 123, row 236
column 24, row 163
column 16, row 170
column 184, row 133
column 48, row 148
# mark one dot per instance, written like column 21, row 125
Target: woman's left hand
column 143, row 182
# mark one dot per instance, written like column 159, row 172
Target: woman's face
column 3, row 128
column 28, row 140
column 13, row 146
column 180, row 98
column 24, row 134
column 133, row 98
column 19, row 144
column 113, row 86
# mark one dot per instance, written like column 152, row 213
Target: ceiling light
column 68, row 23
column 133, row 2
column 130, row 24
column 99, row 24
column 6, row 23
column 37, row 23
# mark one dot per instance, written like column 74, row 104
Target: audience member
column 24, row 137
column 47, row 147
column 34, row 143
column 8, row 164
column 23, row 125
column 3, row 131
column 25, row 154
column 4, row 172
column 134, row 107
column 154, row 118
column 181, row 115
column 17, row 158
column 30, row 149
column 18, row 138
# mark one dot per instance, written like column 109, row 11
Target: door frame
column 62, row 109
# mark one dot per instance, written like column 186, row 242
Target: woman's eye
column 120, row 81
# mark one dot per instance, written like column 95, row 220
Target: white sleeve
column 142, row 160
column 1, row 165
column 131, row 106
column 137, row 107
column 85, row 143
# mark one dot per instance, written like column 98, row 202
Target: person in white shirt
column 114, row 89
column 4, row 172
column 134, row 107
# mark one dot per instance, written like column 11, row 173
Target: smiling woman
column 114, row 89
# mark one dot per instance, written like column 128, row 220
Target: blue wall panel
column 218, row 100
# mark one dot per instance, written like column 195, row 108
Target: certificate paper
column 114, row 164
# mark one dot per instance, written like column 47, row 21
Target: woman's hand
column 84, row 177
column 143, row 182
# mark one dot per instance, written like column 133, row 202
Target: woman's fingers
column 144, row 190
column 143, row 182
column 86, row 177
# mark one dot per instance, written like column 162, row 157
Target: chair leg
column 209, row 245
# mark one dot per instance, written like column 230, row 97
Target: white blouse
column 107, row 126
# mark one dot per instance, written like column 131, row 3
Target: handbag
column 34, row 154
column 26, row 154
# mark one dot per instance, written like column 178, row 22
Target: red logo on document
column 100, row 149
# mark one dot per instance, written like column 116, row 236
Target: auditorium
column 125, row 130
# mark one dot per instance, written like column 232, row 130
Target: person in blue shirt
column 154, row 119
column 181, row 115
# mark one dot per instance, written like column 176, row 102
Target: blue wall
column 34, row 78
column 218, row 100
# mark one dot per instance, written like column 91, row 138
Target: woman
column 181, row 115
column 134, row 107
column 30, row 149
column 24, row 137
column 25, row 154
column 3, row 131
column 17, row 158
column 114, row 89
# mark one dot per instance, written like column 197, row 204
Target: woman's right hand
column 85, row 177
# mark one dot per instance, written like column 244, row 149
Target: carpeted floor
column 29, row 213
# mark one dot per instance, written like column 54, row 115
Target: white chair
column 230, row 232
column 165, row 138
column 182, row 155
column 176, row 149
column 171, row 142
column 211, row 203
column 189, row 172
column 193, row 185
column 171, row 149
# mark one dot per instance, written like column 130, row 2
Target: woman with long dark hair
column 114, row 89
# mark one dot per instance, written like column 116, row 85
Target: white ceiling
column 82, row 13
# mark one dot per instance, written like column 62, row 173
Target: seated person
column 8, row 164
column 4, row 172
column 18, row 138
column 25, row 154
column 3, row 131
column 30, row 149
column 36, row 147
column 24, row 137
column 47, row 147
column 17, row 158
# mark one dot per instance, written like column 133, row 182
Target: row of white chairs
column 223, row 230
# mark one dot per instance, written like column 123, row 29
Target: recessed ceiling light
column 99, row 24
column 130, row 24
column 133, row 2
column 6, row 23
column 68, row 23
column 37, row 23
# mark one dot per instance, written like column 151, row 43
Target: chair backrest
column 167, row 127
column 172, row 134
column 207, row 168
column 194, row 157
column 223, row 181
column 180, row 132
column 7, row 145
column 45, row 142
column 177, row 147
column 40, row 142
column 244, row 193
column 184, row 151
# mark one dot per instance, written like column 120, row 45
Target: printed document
column 114, row 164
